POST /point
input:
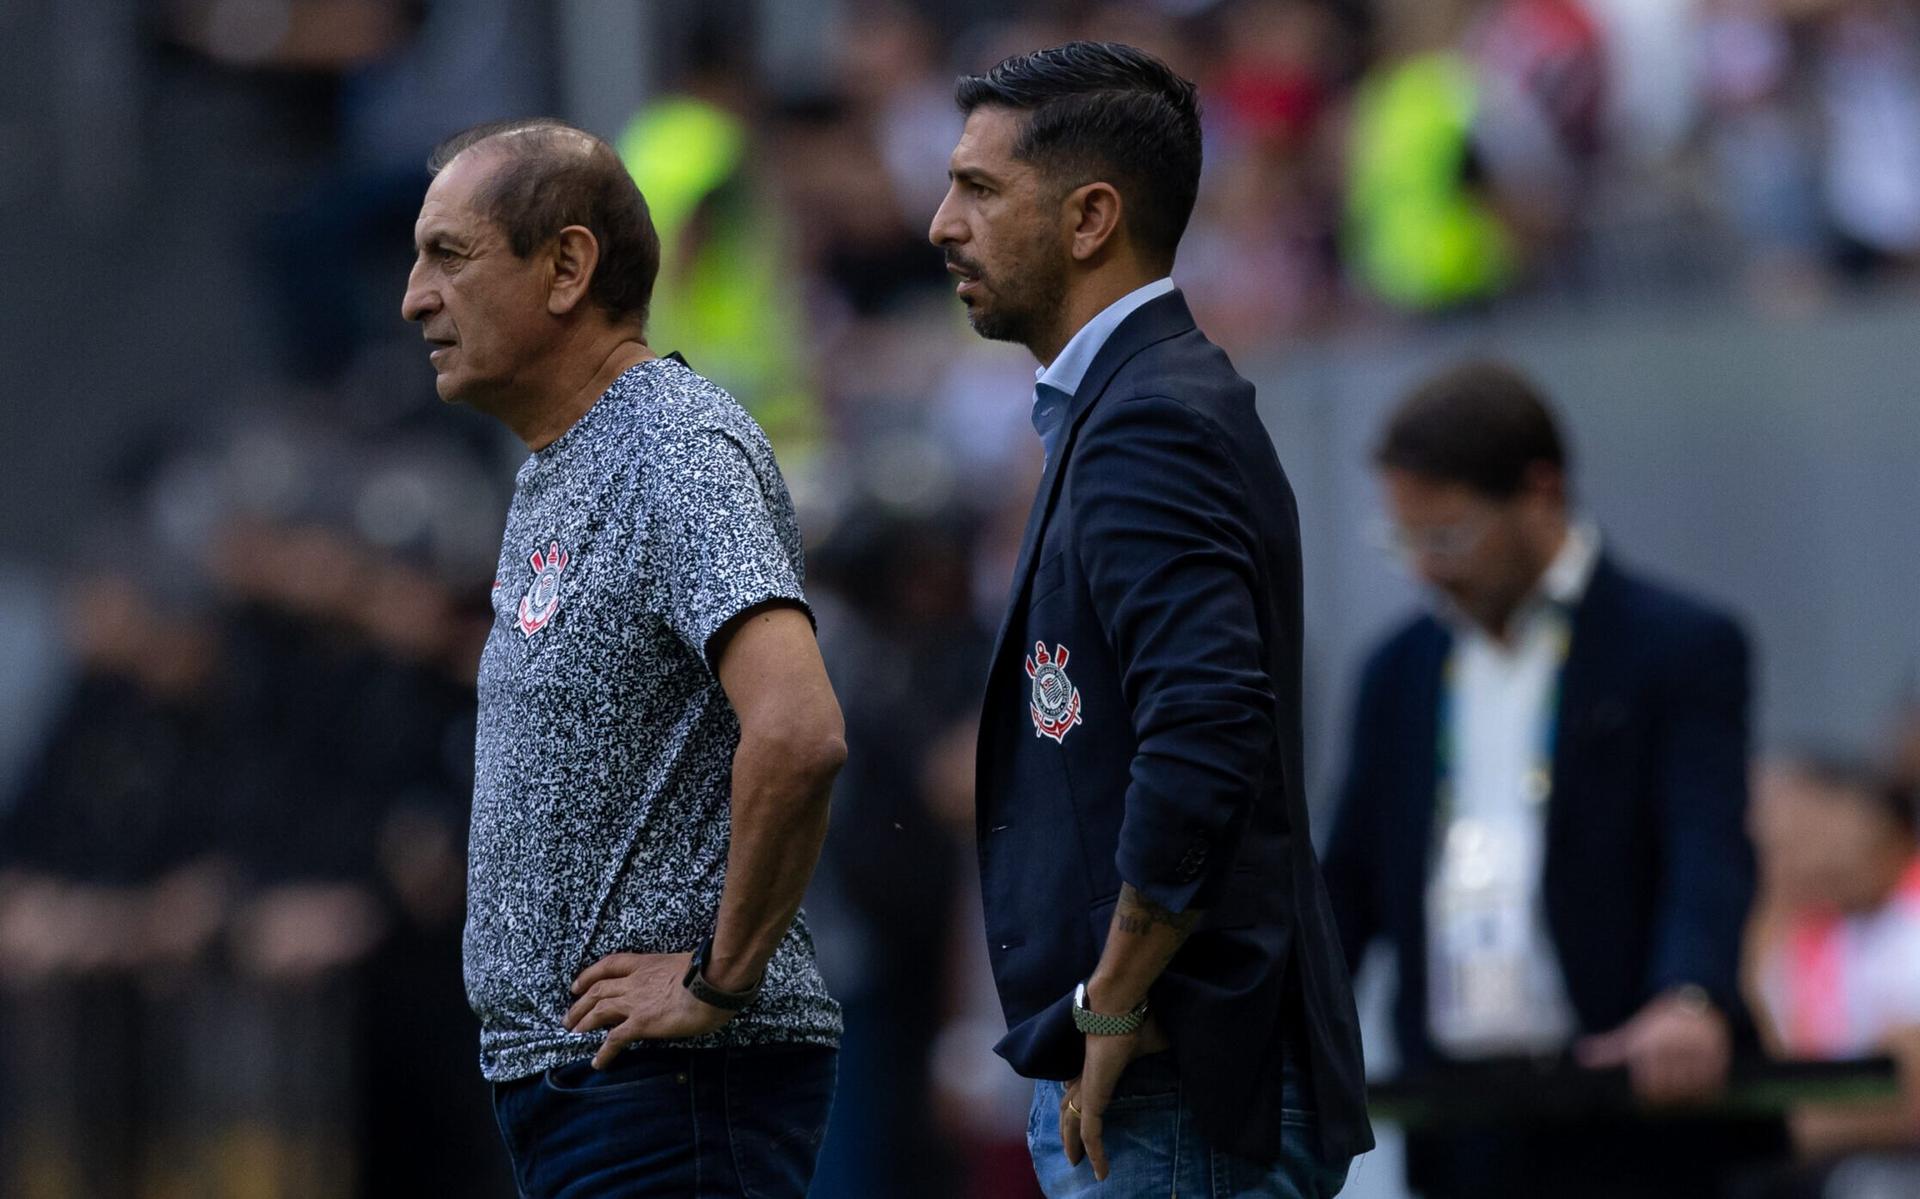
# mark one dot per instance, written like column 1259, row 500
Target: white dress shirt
column 1496, row 985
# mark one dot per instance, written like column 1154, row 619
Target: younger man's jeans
column 1155, row 1151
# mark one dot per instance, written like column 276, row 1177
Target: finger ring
column 1073, row 1107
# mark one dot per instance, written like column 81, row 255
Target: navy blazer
column 1142, row 723
column 1648, row 872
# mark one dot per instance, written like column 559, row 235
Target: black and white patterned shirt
column 601, row 804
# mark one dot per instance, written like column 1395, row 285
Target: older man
column 657, row 736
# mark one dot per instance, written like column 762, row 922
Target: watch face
column 1097, row 1024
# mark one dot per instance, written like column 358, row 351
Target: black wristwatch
column 706, row 992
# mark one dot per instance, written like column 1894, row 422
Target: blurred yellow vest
column 1417, row 233
column 722, row 299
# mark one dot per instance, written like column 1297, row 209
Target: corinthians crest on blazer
column 1141, row 723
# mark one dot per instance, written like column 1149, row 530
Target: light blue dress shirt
column 1055, row 384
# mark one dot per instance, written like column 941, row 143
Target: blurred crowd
column 1833, row 954
column 233, row 877
column 232, row 832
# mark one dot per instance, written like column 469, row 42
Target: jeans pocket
column 777, row 1104
column 1043, row 1121
column 632, row 1121
column 509, row 1098
column 631, row 1072
column 1153, row 1079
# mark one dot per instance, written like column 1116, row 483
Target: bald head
column 544, row 175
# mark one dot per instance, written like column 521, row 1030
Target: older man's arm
column 792, row 744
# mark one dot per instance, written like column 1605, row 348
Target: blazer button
column 1192, row 861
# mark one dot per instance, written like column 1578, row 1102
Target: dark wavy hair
column 552, row 175
column 1479, row 423
column 1106, row 112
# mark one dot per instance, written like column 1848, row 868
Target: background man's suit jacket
column 1648, row 872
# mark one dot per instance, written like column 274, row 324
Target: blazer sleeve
column 1701, row 757
column 1166, row 538
column 1354, row 844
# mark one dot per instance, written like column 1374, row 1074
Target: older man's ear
column 575, row 255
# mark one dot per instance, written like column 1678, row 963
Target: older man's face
column 482, row 308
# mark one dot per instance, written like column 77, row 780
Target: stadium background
column 244, row 551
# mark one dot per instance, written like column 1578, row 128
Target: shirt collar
column 1562, row 585
column 1566, row 578
column 1069, row 369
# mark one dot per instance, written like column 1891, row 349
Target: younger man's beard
column 1027, row 307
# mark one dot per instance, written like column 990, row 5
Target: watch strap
column 696, row 983
column 1097, row 1024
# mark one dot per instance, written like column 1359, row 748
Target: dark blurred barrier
column 213, row 1086
column 1523, row 1092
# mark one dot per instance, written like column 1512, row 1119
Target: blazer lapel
column 1423, row 742
column 1587, row 705
column 1155, row 321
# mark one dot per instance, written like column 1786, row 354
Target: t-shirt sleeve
column 722, row 536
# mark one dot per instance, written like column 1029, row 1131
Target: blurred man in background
column 1835, row 962
column 1543, row 803
column 1155, row 917
column 657, row 736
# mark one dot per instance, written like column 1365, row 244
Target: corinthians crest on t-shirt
column 1055, row 701
column 542, row 599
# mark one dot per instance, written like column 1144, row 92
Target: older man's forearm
column 781, row 791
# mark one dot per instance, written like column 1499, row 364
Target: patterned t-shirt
column 601, row 804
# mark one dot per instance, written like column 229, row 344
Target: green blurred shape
column 1420, row 235
column 723, row 299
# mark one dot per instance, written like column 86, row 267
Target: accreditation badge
column 1478, row 942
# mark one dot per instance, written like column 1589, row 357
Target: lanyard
column 1446, row 750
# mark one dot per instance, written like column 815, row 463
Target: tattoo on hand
column 1135, row 914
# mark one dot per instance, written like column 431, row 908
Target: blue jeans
column 685, row 1123
column 1154, row 1150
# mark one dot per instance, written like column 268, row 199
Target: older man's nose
column 418, row 302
